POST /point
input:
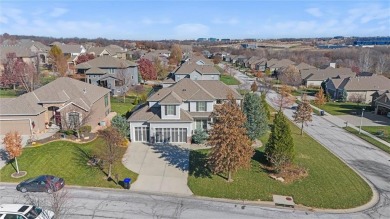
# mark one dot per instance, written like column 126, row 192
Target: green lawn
column 330, row 184
column 122, row 108
column 7, row 93
column 67, row 160
column 369, row 139
column 375, row 129
column 229, row 80
column 343, row 108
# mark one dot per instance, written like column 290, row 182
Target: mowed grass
column 343, row 108
column 8, row 93
column 229, row 80
column 370, row 140
column 69, row 161
column 374, row 130
column 120, row 107
column 330, row 184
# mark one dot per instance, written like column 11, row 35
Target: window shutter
column 205, row 106
column 166, row 110
column 174, row 110
column 197, row 106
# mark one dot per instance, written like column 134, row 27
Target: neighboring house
column 358, row 89
column 70, row 49
column 64, row 101
column 315, row 77
column 98, row 51
column 248, row 63
column 118, row 75
column 276, row 65
column 21, row 53
column 304, row 66
column 173, row 113
column 260, row 65
column 116, row 51
column 382, row 102
column 37, row 48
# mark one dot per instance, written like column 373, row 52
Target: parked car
column 8, row 211
column 43, row 183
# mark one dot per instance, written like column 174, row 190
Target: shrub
column 199, row 137
column 85, row 129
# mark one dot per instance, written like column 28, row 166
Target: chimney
column 332, row 64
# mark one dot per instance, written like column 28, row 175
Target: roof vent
column 184, row 89
column 85, row 90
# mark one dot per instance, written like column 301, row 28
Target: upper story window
column 219, row 101
column 178, row 77
column 201, row 106
column 170, row 110
column 106, row 100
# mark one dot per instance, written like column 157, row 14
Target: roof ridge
column 204, row 90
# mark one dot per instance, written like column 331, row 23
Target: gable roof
column 188, row 68
column 305, row 66
column 171, row 98
column 97, row 50
column 62, row 90
column 323, row 74
column 153, row 114
column 372, row 83
column 106, row 62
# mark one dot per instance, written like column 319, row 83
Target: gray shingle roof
column 304, row 66
column 188, row 68
column 171, row 98
column 106, row 62
column 323, row 74
column 376, row 82
column 153, row 114
column 62, row 90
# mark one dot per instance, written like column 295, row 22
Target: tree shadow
column 3, row 155
column 261, row 159
column 175, row 155
column 198, row 165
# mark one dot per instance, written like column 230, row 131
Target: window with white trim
column 170, row 110
column 201, row 106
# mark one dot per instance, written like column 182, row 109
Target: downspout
column 31, row 131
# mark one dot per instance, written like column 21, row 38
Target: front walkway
column 162, row 168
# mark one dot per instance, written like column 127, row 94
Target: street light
column 361, row 120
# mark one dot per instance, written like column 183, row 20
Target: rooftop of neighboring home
column 106, row 62
column 329, row 72
column 200, row 59
column 187, row 68
column 62, row 90
column 375, row 82
column 283, row 63
column 22, row 52
column 68, row 48
column 304, row 66
column 97, row 50
column 115, row 49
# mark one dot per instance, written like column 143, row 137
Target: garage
column 141, row 134
column 22, row 126
column 175, row 135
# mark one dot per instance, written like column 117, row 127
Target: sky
column 190, row 19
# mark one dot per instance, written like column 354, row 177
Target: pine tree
column 320, row 98
column 257, row 122
column 303, row 112
column 265, row 105
column 232, row 147
column 279, row 149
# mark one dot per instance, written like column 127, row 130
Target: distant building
column 372, row 41
column 213, row 39
column 201, row 39
column 225, row 40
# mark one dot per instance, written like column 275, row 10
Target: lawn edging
column 368, row 139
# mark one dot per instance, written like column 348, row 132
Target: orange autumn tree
column 320, row 98
column 232, row 147
column 13, row 146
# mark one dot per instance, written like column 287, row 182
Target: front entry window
column 74, row 119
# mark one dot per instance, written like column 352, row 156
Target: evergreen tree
column 122, row 125
column 303, row 112
column 232, row 147
column 279, row 149
column 257, row 122
column 265, row 105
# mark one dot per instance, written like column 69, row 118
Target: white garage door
column 22, row 126
column 141, row 134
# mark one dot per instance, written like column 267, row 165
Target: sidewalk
column 341, row 123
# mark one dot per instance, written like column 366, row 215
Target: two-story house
column 118, row 75
column 173, row 113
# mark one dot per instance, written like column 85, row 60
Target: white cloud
column 3, row 20
column 57, row 12
column 13, row 14
column 191, row 30
column 316, row 12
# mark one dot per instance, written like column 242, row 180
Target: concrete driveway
column 369, row 119
column 162, row 168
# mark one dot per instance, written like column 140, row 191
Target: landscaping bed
column 67, row 160
column 330, row 182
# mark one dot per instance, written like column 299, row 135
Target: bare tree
column 382, row 66
column 111, row 153
column 365, row 60
column 124, row 80
column 284, row 98
column 57, row 202
column 357, row 98
column 291, row 76
column 303, row 112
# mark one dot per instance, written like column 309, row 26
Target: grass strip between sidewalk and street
column 370, row 140
column 330, row 183
column 67, row 160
